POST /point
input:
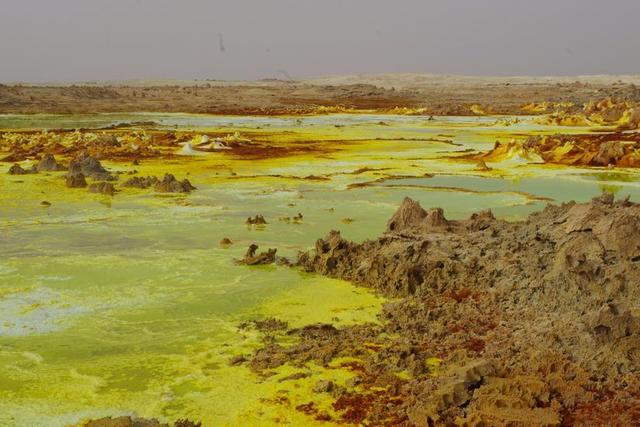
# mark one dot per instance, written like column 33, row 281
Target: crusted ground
column 492, row 323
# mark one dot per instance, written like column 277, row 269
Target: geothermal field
column 388, row 250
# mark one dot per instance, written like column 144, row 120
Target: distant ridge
column 386, row 80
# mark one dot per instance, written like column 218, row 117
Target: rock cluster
column 16, row 169
column 257, row 220
column 170, row 184
column 141, row 182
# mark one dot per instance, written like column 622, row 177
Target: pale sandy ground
column 407, row 80
column 388, row 80
column 436, row 95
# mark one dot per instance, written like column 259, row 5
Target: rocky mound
column 526, row 323
column 48, row 163
column 16, row 169
column 170, row 184
column 90, row 167
column 75, row 180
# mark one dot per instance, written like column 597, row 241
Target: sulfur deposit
column 620, row 149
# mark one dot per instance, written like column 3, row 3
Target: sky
column 85, row 40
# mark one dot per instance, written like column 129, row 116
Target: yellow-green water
column 127, row 305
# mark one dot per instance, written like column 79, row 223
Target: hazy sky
column 76, row 40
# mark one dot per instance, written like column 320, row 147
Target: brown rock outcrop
column 529, row 323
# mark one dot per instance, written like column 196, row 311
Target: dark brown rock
column 250, row 257
column 257, row 220
column 236, row 360
column 226, row 241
